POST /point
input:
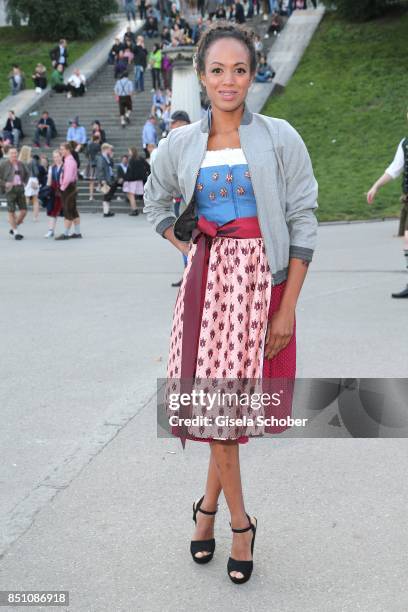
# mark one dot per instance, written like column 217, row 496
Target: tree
column 62, row 18
column 358, row 10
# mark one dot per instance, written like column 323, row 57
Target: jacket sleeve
column 100, row 175
column 301, row 194
column 160, row 188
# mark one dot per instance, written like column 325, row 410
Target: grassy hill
column 19, row 46
column 349, row 101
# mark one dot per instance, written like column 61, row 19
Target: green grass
column 351, row 87
column 19, row 46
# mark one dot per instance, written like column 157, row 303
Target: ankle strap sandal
column 244, row 567
column 202, row 546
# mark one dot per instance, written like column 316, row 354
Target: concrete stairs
column 98, row 103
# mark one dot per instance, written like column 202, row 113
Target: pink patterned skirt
column 237, row 299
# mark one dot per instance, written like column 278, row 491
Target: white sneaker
column 49, row 234
column 38, row 90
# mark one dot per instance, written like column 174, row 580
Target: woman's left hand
column 279, row 332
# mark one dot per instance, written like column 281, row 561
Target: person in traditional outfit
column 249, row 231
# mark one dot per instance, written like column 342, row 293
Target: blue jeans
column 13, row 137
column 45, row 133
column 139, row 78
column 262, row 78
column 15, row 87
column 273, row 6
column 130, row 10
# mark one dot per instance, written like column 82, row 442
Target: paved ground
column 94, row 503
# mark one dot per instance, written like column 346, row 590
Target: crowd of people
column 131, row 59
column 28, row 178
column 58, row 63
column 73, row 86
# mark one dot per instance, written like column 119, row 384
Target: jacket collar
column 205, row 123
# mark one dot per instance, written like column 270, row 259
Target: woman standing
column 248, row 179
column 136, row 175
column 54, row 204
column 155, row 62
column 32, row 188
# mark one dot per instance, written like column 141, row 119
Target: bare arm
column 393, row 171
column 281, row 325
column 383, row 180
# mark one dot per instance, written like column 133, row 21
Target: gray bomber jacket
column 282, row 178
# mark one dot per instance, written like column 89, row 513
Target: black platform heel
column 244, row 567
column 197, row 546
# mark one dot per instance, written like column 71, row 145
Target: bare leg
column 52, row 222
column 205, row 524
column 21, row 216
column 36, row 208
column 91, row 189
column 226, row 456
column 132, row 201
column 12, row 220
column 67, row 224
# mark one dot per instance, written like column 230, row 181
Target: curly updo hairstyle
column 224, row 29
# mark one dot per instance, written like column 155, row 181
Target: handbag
column 186, row 222
column 105, row 188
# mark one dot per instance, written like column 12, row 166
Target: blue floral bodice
column 223, row 191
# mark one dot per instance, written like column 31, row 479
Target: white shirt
column 62, row 56
column 76, row 80
column 397, row 165
column 221, row 157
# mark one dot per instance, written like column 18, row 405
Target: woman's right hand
column 184, row 247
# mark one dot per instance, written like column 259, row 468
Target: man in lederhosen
column 106, row 177
column 13, row 177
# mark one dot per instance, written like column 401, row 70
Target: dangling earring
column 209, row 118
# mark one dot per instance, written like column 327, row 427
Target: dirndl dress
column 226, row 298
column 135, row 187
column 54, row 206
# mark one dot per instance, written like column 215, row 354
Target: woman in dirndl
column 54, row 202
column 32, row 188
column 136, row 175
column 246, row 323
